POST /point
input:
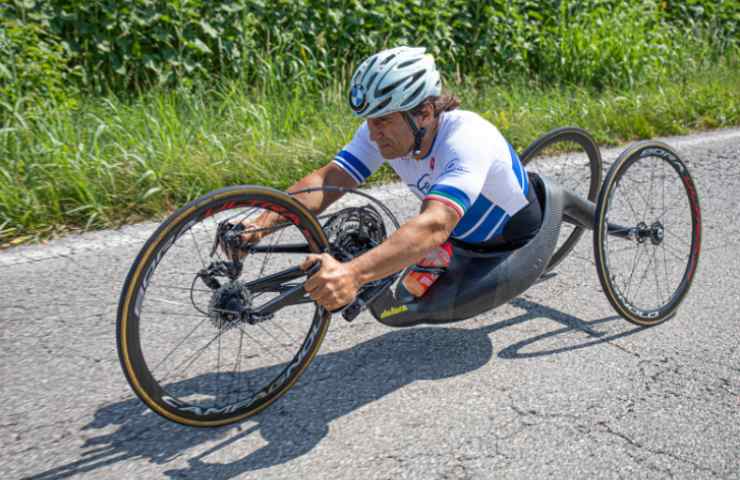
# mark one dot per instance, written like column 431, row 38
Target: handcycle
column 193, row 326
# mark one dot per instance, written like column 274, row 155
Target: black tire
column 582, row 177
column 660, row 176
column 208, row 399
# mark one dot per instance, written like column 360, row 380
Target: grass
column 110, row 162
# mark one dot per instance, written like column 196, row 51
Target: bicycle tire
column 618, row 296
column 129, row 341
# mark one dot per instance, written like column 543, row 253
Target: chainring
column 353, row 231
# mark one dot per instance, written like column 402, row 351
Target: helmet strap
column 418, row 134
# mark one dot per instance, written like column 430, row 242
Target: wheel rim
column 192, row 362
column 647, row 276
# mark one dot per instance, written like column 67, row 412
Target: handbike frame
column 576, row 210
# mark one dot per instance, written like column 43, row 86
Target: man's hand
column 334, row 285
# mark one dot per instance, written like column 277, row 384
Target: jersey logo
column 454, row 168
column 423, row 184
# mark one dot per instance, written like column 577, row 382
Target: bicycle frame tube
column 291, row 294
column 275, row 282
column 582, row 213
column 287, row 248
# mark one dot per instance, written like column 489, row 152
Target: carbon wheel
column 647, row 236
column 571, row 157
column 183, row 349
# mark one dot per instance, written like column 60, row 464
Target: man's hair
column 441, row 103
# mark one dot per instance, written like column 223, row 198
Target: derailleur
column 228, row 235
column 230, row 270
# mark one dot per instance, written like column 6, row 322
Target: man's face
column 392, row 135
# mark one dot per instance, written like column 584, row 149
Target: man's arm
column 328, row 175
column 336, row 284
column 408, row 244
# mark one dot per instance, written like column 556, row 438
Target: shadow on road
column 335, row 385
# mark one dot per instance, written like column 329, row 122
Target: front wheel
column 184, row 343
column 647, row 233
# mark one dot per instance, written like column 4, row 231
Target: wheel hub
column 657, row 232
column 643, row 232
column 228, row 304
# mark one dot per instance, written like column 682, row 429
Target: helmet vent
column 408, row 63
column 369, row 67
column 372, row 79
column 410, row 100
column 415, row 77
column 388, row 59
column 380, row 106
column 389, row 88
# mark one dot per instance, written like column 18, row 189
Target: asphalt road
column 551, row 385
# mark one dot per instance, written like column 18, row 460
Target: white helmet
column 393, row 80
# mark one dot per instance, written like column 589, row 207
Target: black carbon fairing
column 479, row 281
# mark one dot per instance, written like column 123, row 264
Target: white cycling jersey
column 470, row 167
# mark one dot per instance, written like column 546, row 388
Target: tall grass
column 617, row 70
column 111, row 162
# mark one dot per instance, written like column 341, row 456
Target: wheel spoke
column 677, row 255
column 176, row 314
column 669, row 232
column 237, row 361
column 628, row 285
column 274, row 338
column 172, row 287
column 169, row 302
column 178, row 345
column 199, row 352
column 197, row 249
column 665, row 268
column 643, row 276
column 261, row 345
column 658, row 290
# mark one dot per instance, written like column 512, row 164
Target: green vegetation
column 115, row 111
column 127, row 46
column 112, row 162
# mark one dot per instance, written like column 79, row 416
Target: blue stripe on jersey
column 348, row 168
column 521, row 174
column 491, row 224
column 354, row 163
column 471, row 217
column 497, row 228
column 482, row 221
column 460, row 197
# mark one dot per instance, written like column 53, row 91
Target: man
column 472, row 185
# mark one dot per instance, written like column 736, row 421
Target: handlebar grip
column 351, row 311
column 309, row 273
column 313, row 268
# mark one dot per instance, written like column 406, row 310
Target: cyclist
column 472, row 185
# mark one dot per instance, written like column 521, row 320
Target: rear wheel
column 647, row 236
column 183, row 347
column 570, row 157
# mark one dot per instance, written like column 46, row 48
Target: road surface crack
column 656, row 451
